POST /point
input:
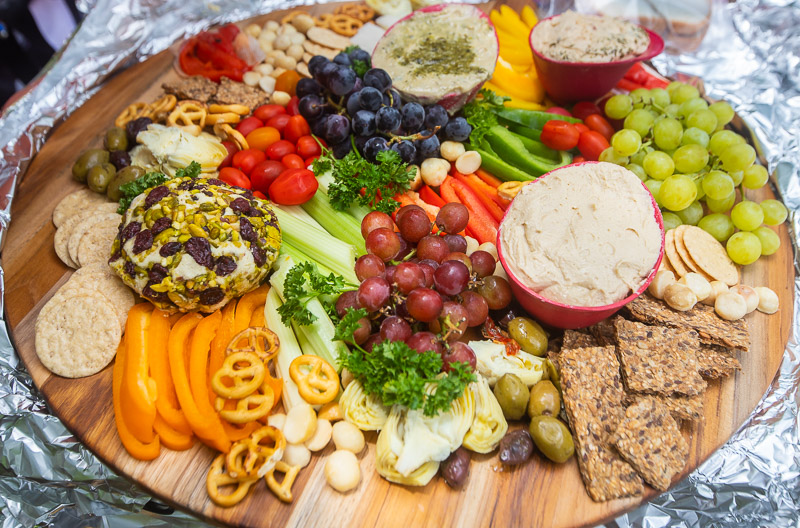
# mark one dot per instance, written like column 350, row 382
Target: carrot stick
column 488, row 178
column 476, row 185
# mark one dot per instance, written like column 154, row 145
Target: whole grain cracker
column 658, row 359
column 672, row 254
column 77, row 335
column 605, row 332
column 75, row 203
column 680, row 407
column 687, row 259
column 83, row 227
column 578, row 339
column 710, row 255
column 716, row 362
column 649, row 440
column 99, row 278
column 95, row 245
column 327, row 37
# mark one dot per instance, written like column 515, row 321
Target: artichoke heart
column 363, row 410
column 489, row 425
column 493, row 362
column 386, row 459
column 175, row 148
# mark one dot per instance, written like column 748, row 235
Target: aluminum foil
column 750, row 57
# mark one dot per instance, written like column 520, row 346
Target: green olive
column 86, row 161
column 127, row 174
column 512, row 395
column 116, row 139
column 551, row 373
column 552, row 438
column 530, row 336
column 100, row 176
column 545, row 400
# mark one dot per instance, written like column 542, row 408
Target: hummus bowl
column 563, row 314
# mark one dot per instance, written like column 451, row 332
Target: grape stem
column 413, row 137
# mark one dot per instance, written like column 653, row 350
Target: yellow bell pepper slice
column 516, row 56
column 513, row 23
column 518, row 85
column 529, row 17
column 513, row 103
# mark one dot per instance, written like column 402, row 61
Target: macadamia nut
column 301, row 422
column 472, row 245
column 267, row 83
column 488, row 247
column 277, row 420
column 698, row 284
column 296, row 455
column 730, row 306
column 342, row 471
column 451, row 150
column 750, row 296
column 251, row 78
column 660, row 282
column 321, row 436
column 679, row 297
column 281, row 98
column 468, row 162
column 434, row 171
column 348, row 437
column 767, row 300
column 717, row 289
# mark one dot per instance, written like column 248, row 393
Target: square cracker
column 712, row 329
column 657, row 359
column 593, row 399
column 680, row 407
column 716, row 362
column 578, row 339
column 605, row 332
column 649, row 439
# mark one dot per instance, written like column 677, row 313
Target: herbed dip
column 573, row 37
column 583, row 235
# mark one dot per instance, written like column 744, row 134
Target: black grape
column 413, row 117
column 370, row 98
column 406, row 149
column 316, row 63
column 436, row 116
column 373, row 146
column 457, row 129
column 337, row 128
column 378, row 79
column 342, row 80
column 387, row 119
column 364, row 123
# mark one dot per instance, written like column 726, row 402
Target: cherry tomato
column 293, row 187
column 232, row 149
column 279, row 149
column 578, row 159
column 245, row 160
column 278, row 121
column 560, row 135
column 265, row 173
column 248, row 124
column 293, row 161
column 259, row 195
column 268, row 111
column 598, row 123
column 296, row 128
column 234, row 177
column 591, row 143
column 581, row 127
column 310, row 161
column 307, row 147
column 558, row 110
column 293, row 107
column 263, row 137
column 584, row 109
column 287, row 81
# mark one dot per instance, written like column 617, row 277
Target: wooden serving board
column 538, row 493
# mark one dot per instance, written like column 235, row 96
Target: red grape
column 404, row 251
column 459, row 351
column 424, row 304
column 451, row 277
column 371, row 341
column 452, row 218
column 389, row 274
column 461, row 257
column 477, row 308
column 432, row 263
column 496, row 291
column 452, row 322
column 373, row 294
column 373, row 221
column 395, row 329
column 483, row 263
column 424, row 341
column 427, row 270
column 432, row 247
column 369, row 266
column 384, row 243
column 361, row 333
column 407, row 276
column 414, row 224
column 404, row 210
column 348, row 299
column 456, row 243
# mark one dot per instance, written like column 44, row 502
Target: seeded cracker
column 578, row 339
column 605, row 332
column 232, row 92
column 649, row 439
column 593, row 399
column 196, row 88
column 680, row 407
column 659, row 360
column 716, row 362
column 712, row 329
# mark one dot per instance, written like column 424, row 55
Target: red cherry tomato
column 581, row 127
column 279, row 149
column 232, row 149
column 307, row 147
column 558, row 110
column 560, row 135
column 293, row 161
column 265, row 173
column 578, row 159
column 245, row 160
column 591, row 144
column 293, row 107
column 278, row 121
column 234, row 177
column 598, row 123
column 296, row 128
column 259, row 195
column 310, row 161
column 293, row 187
column 584, row 109
column 268, row 111
column 248, row 124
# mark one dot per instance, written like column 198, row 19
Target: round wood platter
column 539, row 493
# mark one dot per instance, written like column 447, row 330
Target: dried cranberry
column 259, row 257
column 155, row 195
column 247, row 231
column 186, row 185
column 240, row 205
column 225, row 266
column 169, row 249
column 247, row 193
column 161, row 224
column 208, row 193
column 200, row 250
column 157, row 273
column 148, row 293
column 143, row 241
column 114, row 256
column 129, row 268
column 129, row 231
column 211, row 296
column 215, row 181
column 253, row 211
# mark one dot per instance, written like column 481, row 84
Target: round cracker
column 61, row 239
column 672, row 254
column 683, row 253
column 77, row 335
column 95, row 244
column 106, row 283
column 76, row 203
column 710, row 256
column 327, row 37
column 83, row 227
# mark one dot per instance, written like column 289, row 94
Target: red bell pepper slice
column 628, row 85
column 430, row 196
column 481, row 222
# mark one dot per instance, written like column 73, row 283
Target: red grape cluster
column 421, row 287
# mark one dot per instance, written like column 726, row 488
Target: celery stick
column 358, row 211
column 299, row 213
column 339, row 224
column 298, row 256
column 288, row 351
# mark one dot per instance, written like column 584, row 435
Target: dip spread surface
column 574, row 37
column 583, row 236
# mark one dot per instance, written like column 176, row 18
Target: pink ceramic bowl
column 567, row 82
column 564, row 315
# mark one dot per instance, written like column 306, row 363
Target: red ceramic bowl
column 564, row 315
column 567, row 82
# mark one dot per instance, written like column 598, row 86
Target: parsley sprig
column 480, row 114
column 303, row 283
column 136, row 187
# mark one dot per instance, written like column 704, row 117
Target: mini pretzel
column 161, row 107
column 245, row 369
column 261, row 341
column 274, row 452
column 282, row 490
column 218, row 477
column 226, row 117
column 249, row 408
column 238, row 109
column 323, row 20
column 225, row 131
column 508, row 190
column 190, row 116
column 287, row 18
column 345, row 25
column 362, row 12
column 317, row 381
column 134, row 111
column 250, row 458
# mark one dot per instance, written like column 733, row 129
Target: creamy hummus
column 573, row 37
column 583, row 235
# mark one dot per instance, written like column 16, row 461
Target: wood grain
column 539, row 493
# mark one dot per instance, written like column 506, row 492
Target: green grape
column 690, row 158
column 658, row 165
column 775, row 212
column 721, row 206
column 723, row 111
column 671, row 110
column 723, row 139
column 755, row 176
column 668, row 133
column 692, row 214
column 655, row 189
column 671, row 220
column 660, row 97
column 717, row 225
column 638, row 170
column 691, row 106
column 638, row 158
column 640, row 120
column 674, row 85
column 717, row 185
column 641, row 97
column 698, row 183
column 626, row 142
column 770, row 241
column 747, row 215
column 737, row 157
column 611, row 156
column 683, row 93
column 737, row 177
column 743, row 248
column 695, row 136
column 705, row 120
column 677, row 192
column 618, row 106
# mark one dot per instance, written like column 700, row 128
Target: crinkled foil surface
column 750, row 57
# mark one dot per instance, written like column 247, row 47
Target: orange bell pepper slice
column 247, row 305
column 138, row 450
column 220, row 344
column 138, row 392
column 258, row 318
column 200, row 347
column 172, row 438
column 429, row 196
column 167, row 404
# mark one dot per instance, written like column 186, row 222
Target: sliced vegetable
column 288, row 351
column 481, row 222
column 341, row 224
column 560, row 135
column 532, row 118
column 138, row 391
column 167, row 405
column 137, row 449
column 495, row 210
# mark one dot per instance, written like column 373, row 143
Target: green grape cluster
column 677, row 144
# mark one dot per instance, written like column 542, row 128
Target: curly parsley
column 304, row 282
column 480, row 113
column 136, row 187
